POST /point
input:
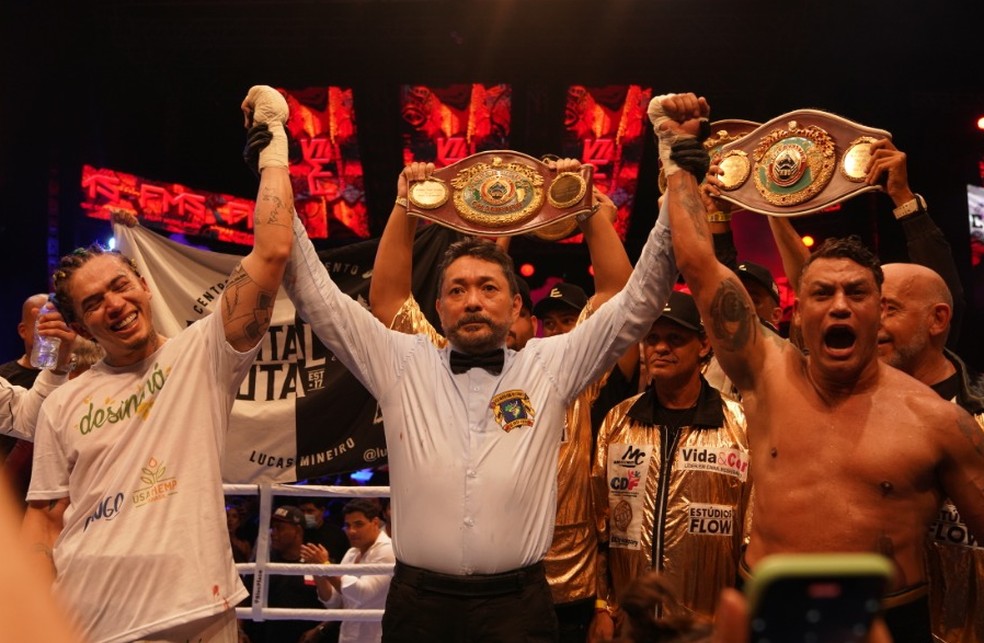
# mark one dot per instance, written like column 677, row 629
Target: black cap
column 524, row 293
column 761, row 275
column 682, row 309
column 562, row 295
column 288, row 514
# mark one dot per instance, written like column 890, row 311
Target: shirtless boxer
column 848, row 454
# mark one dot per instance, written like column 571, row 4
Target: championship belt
column 500, row 193
column 722, row 132
column 798, row 163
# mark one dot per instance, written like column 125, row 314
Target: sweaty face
column 672, row 353
column 361, row 531
column 112, row 305
column 905, row 324
column 476, row 306
column 522, row 330
column 559, row 321
column 839, row 312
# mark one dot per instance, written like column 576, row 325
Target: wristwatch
column 910, row 207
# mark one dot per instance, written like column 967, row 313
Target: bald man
column 17, row 375
column 915, row 324
column 19, row 371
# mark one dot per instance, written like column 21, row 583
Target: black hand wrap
column 704, row 130
column 257, row 137
column 691, row 156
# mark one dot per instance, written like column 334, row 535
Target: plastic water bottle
column 44, row 354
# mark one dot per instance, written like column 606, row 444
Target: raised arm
column 725, row 306
column 611, row 264
column 791, row 249
column 925, row 242
column 392, row 270
column 608, row 257
column 247, row 303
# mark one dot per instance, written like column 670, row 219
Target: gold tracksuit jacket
column 672, row 501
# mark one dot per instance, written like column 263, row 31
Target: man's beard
column 904, row 356
column 474, row 344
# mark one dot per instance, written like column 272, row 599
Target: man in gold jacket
column 670, row 476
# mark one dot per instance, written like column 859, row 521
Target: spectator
column 370, row 545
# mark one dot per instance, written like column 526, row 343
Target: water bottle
column 44, row 354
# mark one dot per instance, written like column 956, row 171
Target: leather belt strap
column 798, row 163
column 510, row 582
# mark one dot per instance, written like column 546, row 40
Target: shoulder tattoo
column 733, row 319
column 971, row 430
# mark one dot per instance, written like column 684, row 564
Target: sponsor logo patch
column 710, row 520
column 158, row 486
column 730, row 462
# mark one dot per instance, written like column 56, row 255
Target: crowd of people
column 582, row 468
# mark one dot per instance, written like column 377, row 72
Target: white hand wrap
column 666, row 137
column 269, row 106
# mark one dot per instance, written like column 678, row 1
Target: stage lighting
column 980, row 123
column 808, row 241
column 527, row 270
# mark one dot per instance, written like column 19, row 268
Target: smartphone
column 816, row 598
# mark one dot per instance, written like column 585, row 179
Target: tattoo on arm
column 734, row 322
column 279, row 213
column 695, row 209
column 242, row 317
column 972, row 431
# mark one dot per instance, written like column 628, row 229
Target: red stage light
column 808, row 241
column 980, row 123
column 527, row 270
column 591, row 270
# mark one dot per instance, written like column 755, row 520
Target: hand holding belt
column 500, row 193
column 491, row 361
column 799, row 163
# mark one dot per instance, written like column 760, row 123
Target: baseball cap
column 562, row 295
column 524, row 293
column 682, row 309
column 759, row 274
column 288, row 514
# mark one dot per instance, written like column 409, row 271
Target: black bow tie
column 491, row 361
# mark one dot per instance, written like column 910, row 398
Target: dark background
column 153, row 89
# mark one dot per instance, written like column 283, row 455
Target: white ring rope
column 262, row 567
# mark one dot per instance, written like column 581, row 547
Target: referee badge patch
column 512, row 409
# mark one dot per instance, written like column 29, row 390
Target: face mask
column 310, row 522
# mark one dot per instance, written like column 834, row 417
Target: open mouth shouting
column 839, row 340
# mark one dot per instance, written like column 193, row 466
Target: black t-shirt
column 948, row 388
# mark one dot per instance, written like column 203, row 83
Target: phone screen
column 817, row 610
